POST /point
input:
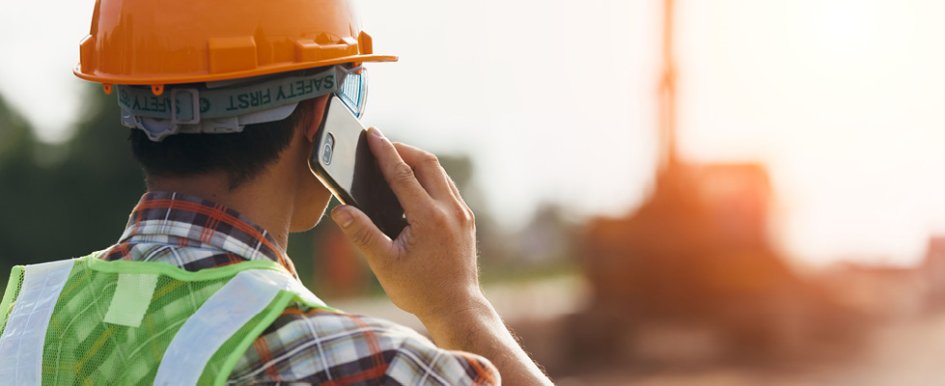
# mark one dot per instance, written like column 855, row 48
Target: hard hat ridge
column 157, row 43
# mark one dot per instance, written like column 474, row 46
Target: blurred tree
column 14, row 131
column 65, row 200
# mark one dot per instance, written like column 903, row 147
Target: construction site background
column 685, row 288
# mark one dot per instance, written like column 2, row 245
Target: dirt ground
column 907, row 352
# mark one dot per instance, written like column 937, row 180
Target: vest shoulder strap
column 35, row 291
column 252, row 294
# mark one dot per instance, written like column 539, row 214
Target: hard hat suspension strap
column 222, row 106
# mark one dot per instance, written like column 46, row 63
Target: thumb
column 360, row 230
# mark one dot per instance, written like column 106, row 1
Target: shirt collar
column 202, row 222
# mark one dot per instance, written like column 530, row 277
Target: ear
column 317, row 111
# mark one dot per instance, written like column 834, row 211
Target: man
column 224, row 101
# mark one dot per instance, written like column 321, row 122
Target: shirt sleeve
column 318, row 346
column 419, row 362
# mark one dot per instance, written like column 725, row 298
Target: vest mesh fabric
column 13, row 290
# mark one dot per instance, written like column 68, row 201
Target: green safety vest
column 88, row 321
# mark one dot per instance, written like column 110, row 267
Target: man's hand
column 430, row 269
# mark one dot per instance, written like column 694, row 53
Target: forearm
column 479, row 329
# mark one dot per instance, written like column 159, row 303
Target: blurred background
column 668, row 192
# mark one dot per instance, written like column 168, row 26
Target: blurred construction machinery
column 691, row 273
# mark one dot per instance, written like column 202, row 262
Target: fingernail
column 341, row 217
column 376, row 132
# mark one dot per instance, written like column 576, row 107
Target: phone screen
column 343, row 161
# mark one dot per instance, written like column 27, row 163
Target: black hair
column 242, row 156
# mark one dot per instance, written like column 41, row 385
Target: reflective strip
column 296, row 287
column 21, row 346
column 220, row 317
column 131, row 300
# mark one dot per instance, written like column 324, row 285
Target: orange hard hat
column 157, row 43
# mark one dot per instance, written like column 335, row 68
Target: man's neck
column 262, row 200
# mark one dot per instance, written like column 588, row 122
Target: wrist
column 453, row 327
column 459, row 303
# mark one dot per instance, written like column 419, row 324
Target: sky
column 555, row 102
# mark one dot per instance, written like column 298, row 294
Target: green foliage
column 60, row 201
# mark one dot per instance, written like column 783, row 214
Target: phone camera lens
column 326, row 156
column 328, row 149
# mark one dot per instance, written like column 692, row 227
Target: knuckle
column 362, row 237
column 440, row 217
column 430, row 159
column 462, row 214
column 402, row 172
column 470, row 216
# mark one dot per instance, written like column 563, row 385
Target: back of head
column 241, row 156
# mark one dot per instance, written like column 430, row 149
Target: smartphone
column 344, row 163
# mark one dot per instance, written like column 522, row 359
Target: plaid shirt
column 302, row 346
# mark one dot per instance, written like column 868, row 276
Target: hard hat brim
column 145, row 79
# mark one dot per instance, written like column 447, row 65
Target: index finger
column 428, row 170
column 411, row 195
